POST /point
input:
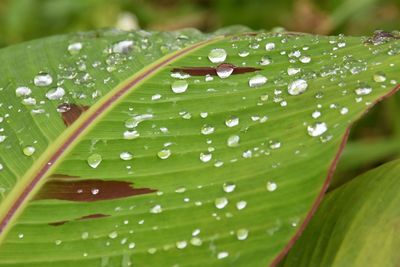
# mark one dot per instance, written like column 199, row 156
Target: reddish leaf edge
column 325, row 186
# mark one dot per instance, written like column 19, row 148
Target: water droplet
column 297, row 87
column 293, row 71
column 269, row 46
column 94, row 160
column 205, row 157
column 317, row 129
column 129, row 135
column 222, row 255
column 257, row 80
column 207, row 129
column 271, row 186
column 85, row 235
column 131, row 245
column 217, row 55
column 232, row 121
column 379, row 77
column 243, row 53
column 274, row 144
column 242, row 234
column 224, row 70
column 113, row 235
column 241, row 204
column 164, row 153
column 233, row 141
column 156, row 209
column 75, row 48
column 23, row 91
column 221, row 202
column 179, row 86
column 181, row 244
column 228, row 187
column 363, row 90
column 316, row 114
column 43, row 79
column 344, row 110
column 55, row 94
column 29, row 151
column 305, row 59
column 195, row 241
column 126, row 155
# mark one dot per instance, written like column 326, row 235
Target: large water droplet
column 257, row 80
column 129, row 135
column 232, row 121
column 43, row 79
column 123, row 46
column 379, row 77
column 217, row 55
column 164, row 153
column 233, row 141
column 224, row 70
column 205, row 157
column 23, row 91
column 228, row 187
column 207, row 129
column 317, row 129
column 55, row 94
column 181, row 244
column 297, row 87
column 29, row 151
column 271, row 186
column 94, row 160
column 363, row 90
column 179, row 86
column 269, row 46
column 126, row 155
column 221, row 202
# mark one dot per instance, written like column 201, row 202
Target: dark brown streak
column 87, row 217
column 89, row 190
column 71, row 112
column 202, row 71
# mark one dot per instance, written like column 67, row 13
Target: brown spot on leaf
column 71, row 112
column 86, row 217
column 88, row 190
column 202, row 71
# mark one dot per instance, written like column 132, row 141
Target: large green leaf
column 145, row 176
column 356, row 225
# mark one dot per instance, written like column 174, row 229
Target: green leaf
column 136, row 165
column 356, row 225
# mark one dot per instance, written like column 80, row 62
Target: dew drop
column 233, row 141
column 205, row 157
column 55, row 94
column 271, row 186
column 195, row 241
column 228, row 187
column 224, row 70
column 29, row 151
column 257, row 80
column 113, row 235
column 344, row 110
column 43, row 79
column 269, row 46
column 363, row 90
column 75, row 48
column 217, row 55
column 94, row 160
column 293, row 71
column 297, row 87
column 222, row 255
column 126, row 155
column 207, row 129
column 241, row 204
column 156, row 209
column 23, row 91
column 316, row 114
column 317, row 129
column 123, row 46
column 242, row 234
column 221, row 202
column 181, row 244
column 164, row 153
column 232, row 121
column 129, row 135
column 379, row 77
column 179, row 87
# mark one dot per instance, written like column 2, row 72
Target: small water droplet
column 316, row 114
column 94, row 160
column 257, row 80
column 207, row 129
column 228, row 187
column 156, row 209
column 344, row 110
column 29, row 151
column 55, row 94
column 43, row 79
column 317, row 129
column 181, row 244
column 232, row 121
column 217, row 55
column 23, row 91
column 222, row 255
column 271, row 186
column 196, row 241
column 179, row 87
column 363, row 90
column 293, row 71
column 242, row 234
column 297, row 87
column 164, row 153
column 233, row 141
column 379, row 77
column 75, row 48
column 221, row 202
column 113, row 235
column 126, row 155
column 241, row 204
column 269, row 46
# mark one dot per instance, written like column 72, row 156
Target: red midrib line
column 84, row 125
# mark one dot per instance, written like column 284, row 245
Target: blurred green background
column 22, row 20
column 374, row 140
